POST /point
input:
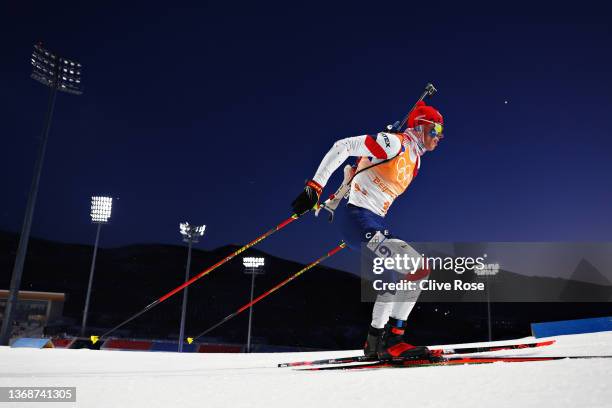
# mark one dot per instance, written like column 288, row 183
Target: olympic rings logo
column 403, row 176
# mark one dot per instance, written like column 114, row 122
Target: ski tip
column 94, row 339
column 189, row 340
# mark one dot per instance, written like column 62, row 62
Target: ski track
column 143, row 379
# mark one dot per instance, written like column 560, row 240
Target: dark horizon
column 57, row 267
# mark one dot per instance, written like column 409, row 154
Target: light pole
column 101, row 208
column 252, row 266
column 59, row 74
column 488, row 270
column 190, row 234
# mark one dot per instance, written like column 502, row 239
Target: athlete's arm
column 381, row 146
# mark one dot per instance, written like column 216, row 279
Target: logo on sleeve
column 386, row 139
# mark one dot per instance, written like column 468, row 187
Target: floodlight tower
column 252, row 266
column 101, row 208
column 59, row 74
column 488, row 270
column 191, row 234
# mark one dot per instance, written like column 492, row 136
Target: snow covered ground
column 143, row 379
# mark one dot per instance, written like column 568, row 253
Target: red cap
column 422, row 111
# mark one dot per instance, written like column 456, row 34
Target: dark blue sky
column 217, row 114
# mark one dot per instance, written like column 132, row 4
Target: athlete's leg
column 357, row 227
column 400, row 304
column 403, row 301
column 382, row 310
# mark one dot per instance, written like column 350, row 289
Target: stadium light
column 191, row 234
column 101, row 208
column 253, row 266
column 250, row 262
column 55, row 72
column 48, row 69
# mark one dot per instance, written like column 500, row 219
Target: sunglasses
column 437, row 129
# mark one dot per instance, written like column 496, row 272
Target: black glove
column 308, row 198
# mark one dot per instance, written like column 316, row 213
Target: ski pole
column 265, row 294
column 206, row 271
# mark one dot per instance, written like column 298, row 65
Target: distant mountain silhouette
column 586, row 272
column 320, row 309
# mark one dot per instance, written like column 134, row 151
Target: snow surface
column 143, row 379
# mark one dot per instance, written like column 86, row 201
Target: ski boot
column 394, row 347
column 373, row 342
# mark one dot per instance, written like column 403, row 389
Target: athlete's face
column 429, row 141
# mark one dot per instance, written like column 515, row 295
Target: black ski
column 438, row 352
column 444, row 362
